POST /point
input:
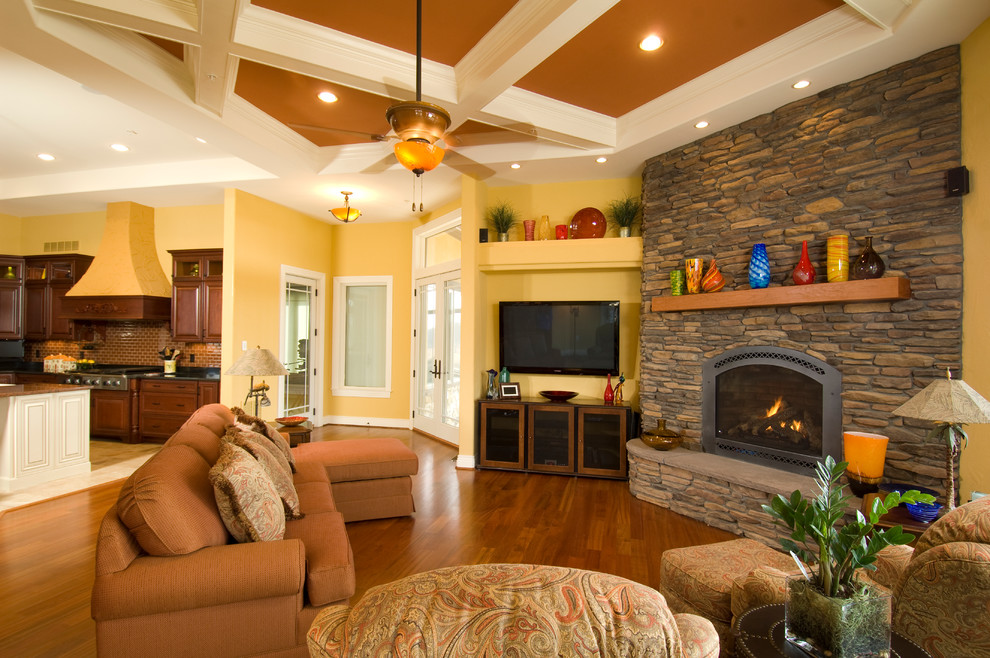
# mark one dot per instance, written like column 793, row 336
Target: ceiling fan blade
column 466, row 165
column 381, row 165
column 374, row 137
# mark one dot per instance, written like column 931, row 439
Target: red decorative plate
column 588, row 223
column 558, row 396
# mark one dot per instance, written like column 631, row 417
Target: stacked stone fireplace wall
column 866, row 159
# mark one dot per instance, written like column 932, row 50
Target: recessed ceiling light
column 601, row 159
column 47, row 157
column 800, row 84
column 200, row 140
column 651, row 43
column 701, row 124
column 327, row 97
column 515, row 165
column 119, row 147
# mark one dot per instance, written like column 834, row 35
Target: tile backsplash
column 126, row 343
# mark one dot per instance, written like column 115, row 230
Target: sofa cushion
column 199, row 438
column 168, row 504
column 969, row 522
column 329, row 560
column 273, row 461
column 248, row 502
column 256, row 424
column 361, row 459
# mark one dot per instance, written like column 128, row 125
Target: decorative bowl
column 924, row 512
column 588, row 223
column 558, row 396
column 291, row 421
column 661, row 438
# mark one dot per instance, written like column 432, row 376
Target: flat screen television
column 559, row 338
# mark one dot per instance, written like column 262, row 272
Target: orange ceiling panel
column 357, row 117
column 450, row 27
column 603, row 68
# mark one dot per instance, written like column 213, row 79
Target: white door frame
column 420, row 272
column 317, row 347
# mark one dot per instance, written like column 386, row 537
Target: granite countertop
column 36, row 367
column 14, row 390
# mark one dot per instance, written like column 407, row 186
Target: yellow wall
column 86, row 227
column 10, row 235
column 383, row 249
column 258, row 238
column 975, row 461
column 559, row 201
column 187, row 227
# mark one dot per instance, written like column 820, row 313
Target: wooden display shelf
column 869, row 290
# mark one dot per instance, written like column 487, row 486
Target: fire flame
column 775, row 408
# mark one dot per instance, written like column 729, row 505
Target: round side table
column 760, row 634
column 297, row 433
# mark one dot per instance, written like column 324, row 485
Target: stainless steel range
column 110, row 378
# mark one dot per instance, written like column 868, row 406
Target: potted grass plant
column 830, row 611
column 502, row 217
column 623, row 213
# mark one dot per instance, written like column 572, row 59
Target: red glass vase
column 609, row 394
column 804, row 271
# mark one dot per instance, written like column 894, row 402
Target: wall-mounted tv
column 559, row 338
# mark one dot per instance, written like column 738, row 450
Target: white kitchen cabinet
column 45, row 434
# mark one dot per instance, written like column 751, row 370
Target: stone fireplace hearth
column 865, row 159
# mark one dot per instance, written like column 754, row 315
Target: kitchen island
column 44, row 433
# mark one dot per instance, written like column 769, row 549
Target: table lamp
column 257, row 362
column 948, row 403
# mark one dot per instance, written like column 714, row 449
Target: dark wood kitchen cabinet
column 46, row 280
column 165, row 404
column 110, row 414
column 197, row 294
column 11, row 294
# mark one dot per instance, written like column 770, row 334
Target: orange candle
column 865, row 453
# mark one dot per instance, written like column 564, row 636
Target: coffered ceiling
column 551, row 85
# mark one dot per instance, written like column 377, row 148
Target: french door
column 437, row 370
column 301, row 345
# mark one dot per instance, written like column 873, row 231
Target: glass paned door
column 438, row 348
column 297, row 335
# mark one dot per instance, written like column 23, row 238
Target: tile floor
column 109, row 460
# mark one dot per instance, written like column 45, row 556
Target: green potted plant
column 830, row 611
column 623, row 213
column 501, row 217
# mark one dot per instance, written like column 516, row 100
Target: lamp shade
column 257, row 362
column 947, row 401
column 417, row 156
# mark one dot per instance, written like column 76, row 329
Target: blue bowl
column 889, row 487
column 924, row 512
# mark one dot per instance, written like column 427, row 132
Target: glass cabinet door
column 502, row 435
column 551, row 428
column 602, row 437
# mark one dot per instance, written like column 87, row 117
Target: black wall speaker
column 482, row 235
column 957, row 181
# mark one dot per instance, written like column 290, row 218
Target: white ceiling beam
column 531, row 31
column 177, row 20
column 214, row 70
column 885, row 13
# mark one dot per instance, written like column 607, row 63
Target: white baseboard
column 465, row 461
column 364, row 421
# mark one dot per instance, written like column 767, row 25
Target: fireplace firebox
column 772, row 406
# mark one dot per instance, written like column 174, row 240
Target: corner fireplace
column 771, row 406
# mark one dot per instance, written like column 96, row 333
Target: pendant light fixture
column 346, row 214
column 419, row 125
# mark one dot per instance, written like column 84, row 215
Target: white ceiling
column 75, row 78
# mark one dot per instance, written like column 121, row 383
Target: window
column 362, row 336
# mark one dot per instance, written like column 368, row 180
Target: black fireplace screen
column 772, row 406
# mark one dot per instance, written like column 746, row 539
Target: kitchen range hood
column 125, row 281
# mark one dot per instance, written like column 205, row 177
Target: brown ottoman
column 370, row 478
column 698, row 579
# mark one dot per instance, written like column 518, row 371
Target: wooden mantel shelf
column 869, row 290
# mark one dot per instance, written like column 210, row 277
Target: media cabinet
column 581, row 437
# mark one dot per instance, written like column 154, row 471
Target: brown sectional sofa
column 170, row 581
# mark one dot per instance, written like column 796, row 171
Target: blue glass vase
column 759, row 267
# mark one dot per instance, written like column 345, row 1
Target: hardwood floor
column 462, row 516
